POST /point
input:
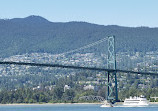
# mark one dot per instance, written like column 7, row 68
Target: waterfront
column 74, row 107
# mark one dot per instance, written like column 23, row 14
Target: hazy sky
column 105, row 12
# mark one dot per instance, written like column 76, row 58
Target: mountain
column 36, row 34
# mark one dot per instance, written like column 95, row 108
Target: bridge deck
column 78, row 67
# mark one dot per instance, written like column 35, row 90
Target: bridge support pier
column 116, row 91
column 112, row 93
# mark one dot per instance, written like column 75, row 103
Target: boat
column 136, row 101
column 106, row 104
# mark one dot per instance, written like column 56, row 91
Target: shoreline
column 46, row 104
column 18, row 104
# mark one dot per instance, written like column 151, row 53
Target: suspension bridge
column 111, row 69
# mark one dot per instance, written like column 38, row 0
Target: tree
column 57, row 93
column 69, row 95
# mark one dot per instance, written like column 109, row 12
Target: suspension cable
column 84, row 47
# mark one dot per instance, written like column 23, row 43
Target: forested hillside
column 36, row 34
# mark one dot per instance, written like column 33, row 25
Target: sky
column 131, row 13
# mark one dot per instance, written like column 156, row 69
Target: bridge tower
column 112, row 93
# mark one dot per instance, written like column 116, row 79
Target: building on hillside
column 90, row 87
column 66, row 87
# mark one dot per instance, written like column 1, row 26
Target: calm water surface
column 74, row 107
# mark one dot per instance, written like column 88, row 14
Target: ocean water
column 73, row 107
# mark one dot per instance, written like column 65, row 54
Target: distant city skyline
column 131, row 13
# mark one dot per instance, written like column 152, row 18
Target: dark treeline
column 57, row 95
column 28, row 95
column 32, row 94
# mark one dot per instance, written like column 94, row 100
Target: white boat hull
column 136, row 101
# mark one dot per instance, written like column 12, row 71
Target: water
column 74, row 107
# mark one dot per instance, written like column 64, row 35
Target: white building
column 66, row 87
column 88, row 87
